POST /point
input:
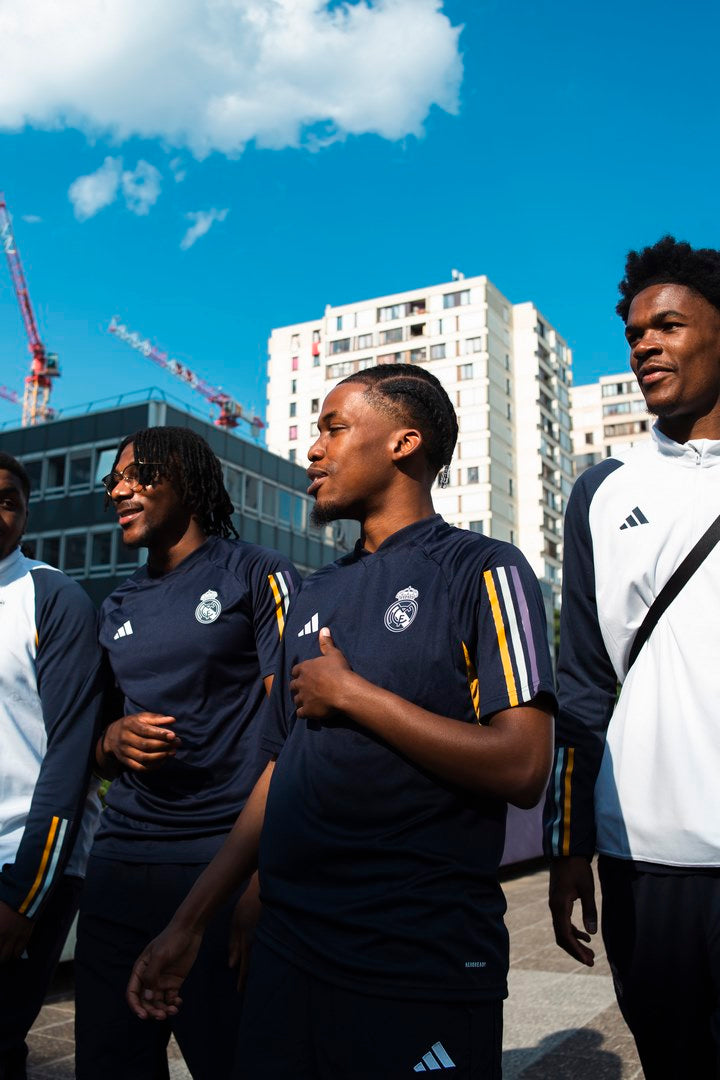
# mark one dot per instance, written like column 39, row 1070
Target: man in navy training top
column 401, row 730
column 192, row 639
column 636, row 776
column 50, row 709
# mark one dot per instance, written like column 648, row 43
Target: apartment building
column 508, row 374
column 608, row 417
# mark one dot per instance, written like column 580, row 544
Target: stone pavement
column 561, row 1020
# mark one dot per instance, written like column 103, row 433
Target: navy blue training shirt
column 194, row 643
column 375, row 874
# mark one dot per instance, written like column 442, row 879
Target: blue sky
column 366, row 156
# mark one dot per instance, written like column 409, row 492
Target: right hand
column 571, row 879
column 159, row 972
column 142, row 741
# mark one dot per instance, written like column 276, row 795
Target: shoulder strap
column 674, row 585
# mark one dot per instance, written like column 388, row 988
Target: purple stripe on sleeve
column 522, row 607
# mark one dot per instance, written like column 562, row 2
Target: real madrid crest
column 209, row 607
column 402, row 611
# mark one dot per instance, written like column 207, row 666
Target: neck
column 682, row 429
column 378, row 525
column 164, row 557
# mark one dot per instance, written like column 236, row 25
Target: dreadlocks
column 413, row 396
column 193, row 470
column 670, row 263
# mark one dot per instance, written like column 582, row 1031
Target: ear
column 405, row 443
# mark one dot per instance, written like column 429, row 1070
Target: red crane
column 10, row 395
column 231, row 412
column 44, row 365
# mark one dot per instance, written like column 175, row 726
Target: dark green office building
column 70, row 528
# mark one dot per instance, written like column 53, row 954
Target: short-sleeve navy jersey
column 195, row 644
column 376, row 874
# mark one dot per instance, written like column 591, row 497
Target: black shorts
column 295, row 1025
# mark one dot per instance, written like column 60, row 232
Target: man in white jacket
column 636, row 775
column 50, row 704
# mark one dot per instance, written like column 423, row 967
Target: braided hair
column 192, row 468
column 670, row 263
column 414, row 396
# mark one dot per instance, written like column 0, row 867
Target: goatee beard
column 323, row 515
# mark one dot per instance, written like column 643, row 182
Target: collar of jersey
column 8, row 564
column 189, row 561
column 707, row 449
column 410, row 534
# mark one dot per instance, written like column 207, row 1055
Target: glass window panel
column 80, row 468
column 50, row 551
column 101, row 549
column 284, row 504
column 269, row 500
column 104, row 463
column 298, row 513
column 34, row 471
column 56, row 472
column 75, row 548
column 234, row 485
column 252, row 490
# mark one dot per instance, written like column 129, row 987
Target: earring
column 444, row 476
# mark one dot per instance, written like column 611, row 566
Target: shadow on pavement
column 575, row 1054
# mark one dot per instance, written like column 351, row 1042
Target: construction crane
column 44, row 365
column 10, row 395
column 231, row 412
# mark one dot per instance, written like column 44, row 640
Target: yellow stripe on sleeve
column 278, row 603
column 472, row 679
column 566, row 800
column 43, row 863
column 502, row 638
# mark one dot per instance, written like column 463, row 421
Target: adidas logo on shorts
column 437, row 1057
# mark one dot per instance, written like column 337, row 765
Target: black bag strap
column 675, row 583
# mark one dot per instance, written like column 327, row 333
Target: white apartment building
column 608, row 416
column 507, row 372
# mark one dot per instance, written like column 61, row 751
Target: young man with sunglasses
column 192, row 639
column 50, row 709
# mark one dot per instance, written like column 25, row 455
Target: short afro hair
column 415, row 396
column 670, row 262
column 12, row 465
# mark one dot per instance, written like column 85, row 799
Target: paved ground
column 561, row 1020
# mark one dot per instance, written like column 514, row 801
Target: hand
column 571, row 879
column 242, row 932
column 158, row 974
column 142, row 741
column 316, row 685
column 15, row 931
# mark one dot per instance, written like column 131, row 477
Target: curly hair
column 670, row 262
column 192, row 468
column 414, row 396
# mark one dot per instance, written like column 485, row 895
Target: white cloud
column 178, row 170
column 203, row 220
column 93, row 192
column 31, row 219
column 213, row 74
column 141, row 188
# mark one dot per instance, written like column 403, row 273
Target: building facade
column 508, row 374
column 608, row 417
column 71, row 528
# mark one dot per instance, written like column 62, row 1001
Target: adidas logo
column 124, row 631
column 437, row 1057
column 636, row 518
column 311, row 627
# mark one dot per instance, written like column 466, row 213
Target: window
column 293, row 408
column 315, row 336
column 589, row 438
column 475, row 526
column 340, row 346
column 295, row 341
column 292, row 431
column 284, row 505
column 473, row 475
column 269, row 500
column 316, row 360
column 541, row 329
column 315, row 405
column 456, row 299
column 437, row 352
column 56, row 472
column 417, row 356
column 298, row 513
column 295, row 363
column 417, row 307
column 338, row 322
column 364, row 341
column 292, row 455
column 34, row 471
column 387, row 337
column 234, row 485
column 337, row 371
column 101, row 552
column 472, row 345
column 465, row 371
column 252, row 489
column 75, row 548
column 80, row 469
column 51, row 550
column 293, row 386
column 510, row 486
column 392, row 311
column 417, row 330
